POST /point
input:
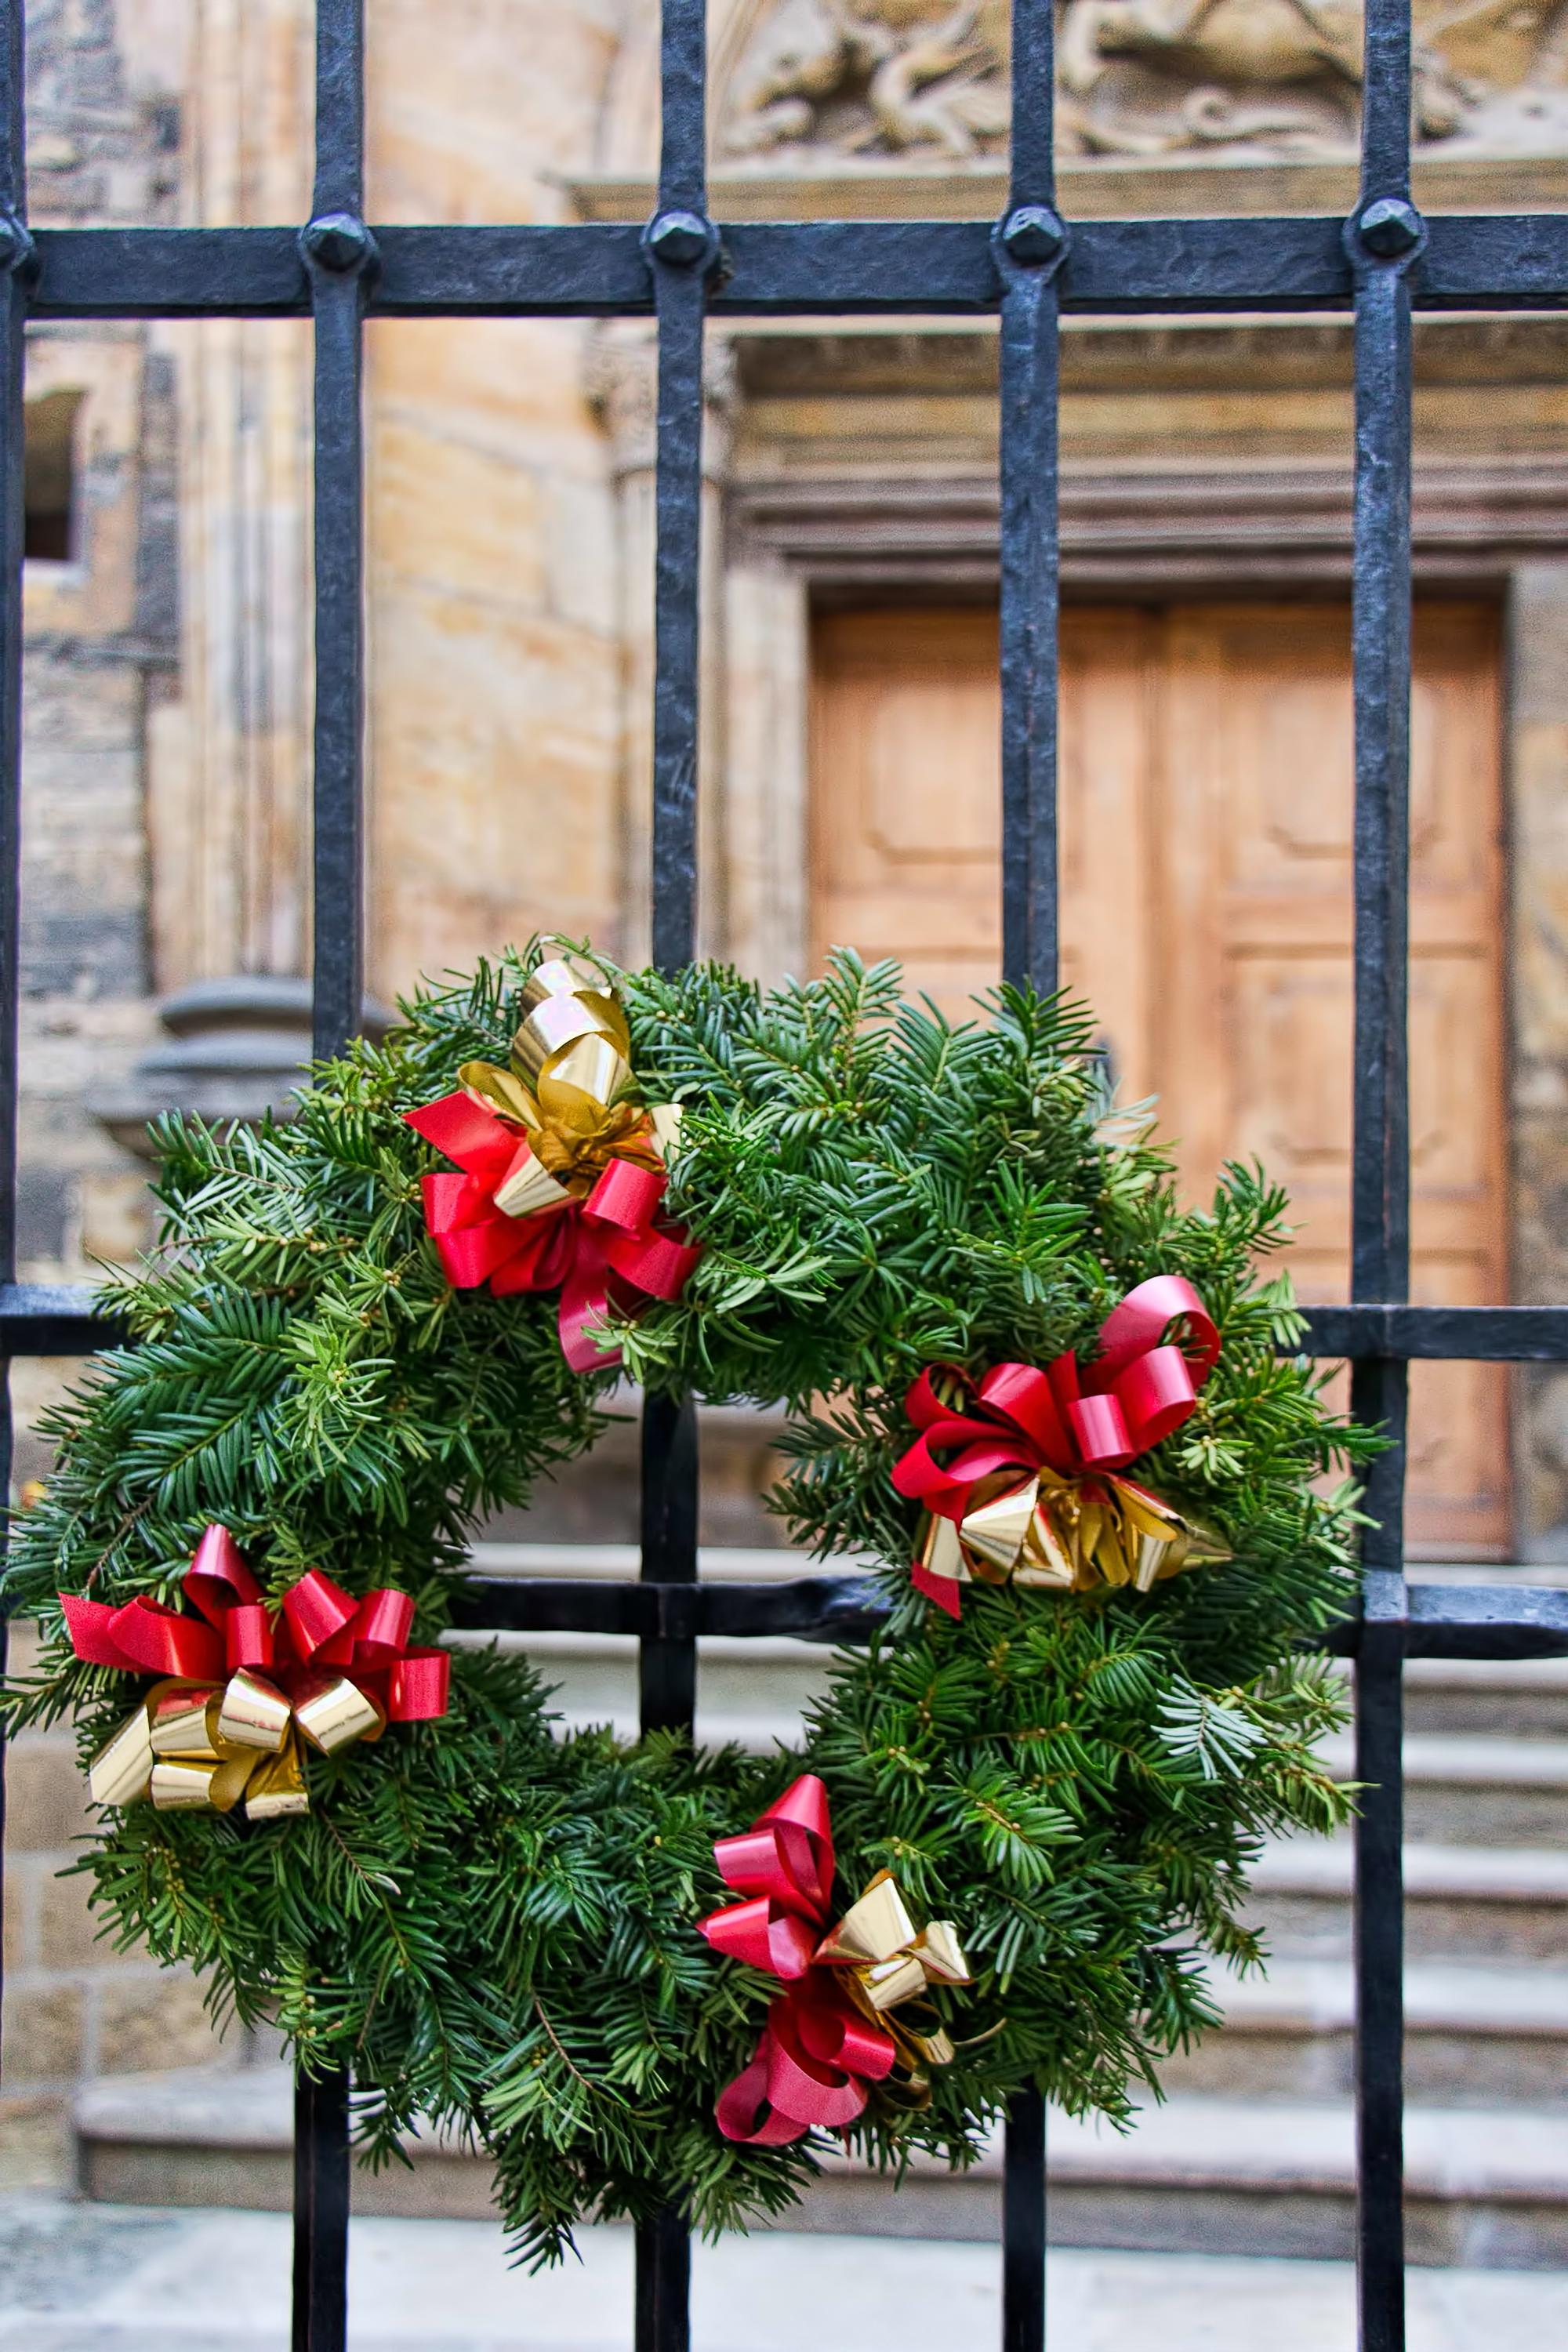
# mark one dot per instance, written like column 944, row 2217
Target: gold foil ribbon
column 1070, row 1534
column 570, row 1088
column 886, row 1963
column 205, row 1747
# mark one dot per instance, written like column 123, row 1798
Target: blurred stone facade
column 510, row 526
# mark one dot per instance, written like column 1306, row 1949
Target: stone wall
column 494, row 597
column 75, row 2006
column 1538, row 684
column 99, row 661
column 166, row 760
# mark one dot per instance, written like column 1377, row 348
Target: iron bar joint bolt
column 1386, row 233
column 682, row 240
column 339, row 244
column 1032, row 238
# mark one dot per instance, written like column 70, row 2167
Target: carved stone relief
column 818, row 81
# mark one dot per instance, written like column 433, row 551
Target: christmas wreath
column 1057, row 1407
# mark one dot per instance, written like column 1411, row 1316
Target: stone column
column 767, row 699
column 1537, row 1013
column 623, row 386
column 231, row 782
column 229, row 756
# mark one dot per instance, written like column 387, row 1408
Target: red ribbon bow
column 819, row 2050
column 582, row 1246
column 1069, row 1420
column 320, row 1625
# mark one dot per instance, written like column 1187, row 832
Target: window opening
column 51, row 472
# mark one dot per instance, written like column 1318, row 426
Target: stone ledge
column 1464, row 1873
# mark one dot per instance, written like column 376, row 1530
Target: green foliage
column 492, row 1924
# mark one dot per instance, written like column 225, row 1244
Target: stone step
column 1469, row 1788
column 1461, row 1902
column 1486, row 2188
column 1475, row 2036
column 1528, row 1700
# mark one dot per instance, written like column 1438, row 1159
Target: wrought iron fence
column 1029, row 268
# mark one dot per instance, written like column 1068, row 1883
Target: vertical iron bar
column 339, row 252
column 1031, row 244
column 340, row 255
column 1382, row 239
column 339, row 838
column 680, row 246
column 1023, row 2225
column 663, row 2290
column 667, row 1667
column 16, row 253
column 320, row 2212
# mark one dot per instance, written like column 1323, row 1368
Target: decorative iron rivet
column 1389, row 226
column 1034, row 233
column 680, row 237
column 338, row 242
column 16, row 247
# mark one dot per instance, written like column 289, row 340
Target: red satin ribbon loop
column 217, row 1578
column 418, row 1687
column 787, row 1853
column 1143, row 1320
column 626, row 1195
column 143, row 1638
column 811, row 2084
column 784, row 1863
column 247, row 1636
column 470, row 1243
column 742, row 2112
column 317, row 1612
column 836, row 2035
column 469, row 1133
column 766, row 1936
column 382, row 1622
column 1101, row 1434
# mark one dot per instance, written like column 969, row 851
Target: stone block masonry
column 75, row 2006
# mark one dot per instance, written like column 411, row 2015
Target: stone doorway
column 1207, row 913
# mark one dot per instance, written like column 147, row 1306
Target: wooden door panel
column 1207, row 915
column 906, row 813
column 1108, row 951
column 1284, row 1090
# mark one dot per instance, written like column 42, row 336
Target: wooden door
column 1206, row 915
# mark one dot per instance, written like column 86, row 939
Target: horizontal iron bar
column 1445, row 1620
column 1477, row 1335
column 1487, row 1621
column 39, row 1318
column 53, row 1319
column 807, row 1608
column 802, row 268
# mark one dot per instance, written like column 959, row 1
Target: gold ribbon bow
column 202, row 1746
column 887, row 1963
column 567, row 1087
column 1071, row 1534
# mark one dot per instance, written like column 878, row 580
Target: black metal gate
column 1029, row 267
